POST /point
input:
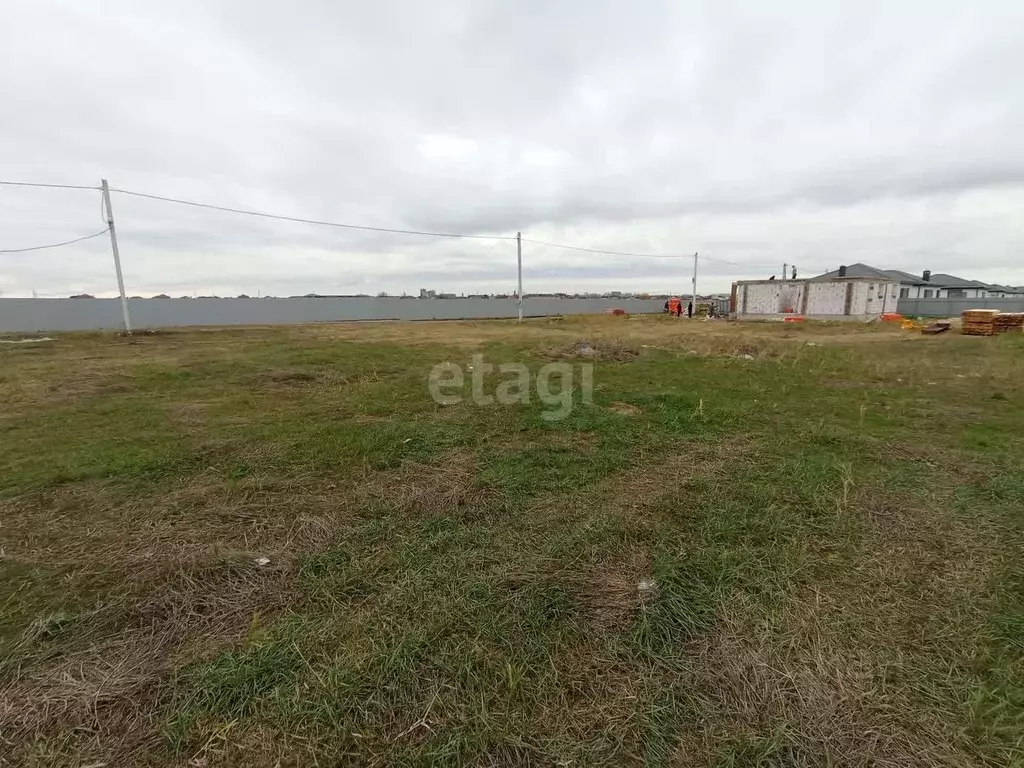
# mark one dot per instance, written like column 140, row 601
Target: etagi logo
column 554, row 383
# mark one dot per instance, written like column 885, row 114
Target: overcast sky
column 755, row 133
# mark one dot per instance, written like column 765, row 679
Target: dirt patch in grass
column 669, row 479
column 47, row 392
column 188, row 415
column 291, row 377
column 616, row 590
column 746, row 350
column 595, row 350
column 582, row 442
column 625, row 409
column 440, row 488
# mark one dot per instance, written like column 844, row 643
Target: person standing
column 689, row 310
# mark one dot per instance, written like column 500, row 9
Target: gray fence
column 953, row 307
column 105, row 314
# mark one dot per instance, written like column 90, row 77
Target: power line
column 605, row 253
column 737, row 263
column 55, row 245
column 309, row 221
column 641, row 255
column 49, row 186
column 365, row 228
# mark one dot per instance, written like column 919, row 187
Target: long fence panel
column 953, row 307
column 105, row 314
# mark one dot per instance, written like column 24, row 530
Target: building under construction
column 834, row 298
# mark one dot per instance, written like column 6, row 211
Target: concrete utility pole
column 695, row 281
column 117, row 256
column 785, row 271
column 519, row 259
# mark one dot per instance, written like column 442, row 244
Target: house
column 953, row 287
column 843, row 297
column 928, row 285
column 1005, row 291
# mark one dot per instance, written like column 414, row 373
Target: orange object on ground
column 794, row 319
column 675, row 306
column 892, row 317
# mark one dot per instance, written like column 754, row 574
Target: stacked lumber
column 1009, row 321
column 979, row 322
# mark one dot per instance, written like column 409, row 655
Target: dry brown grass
column 824, row 703
column 202, row 520
column 624, row 409
column 617, row 589
column 616, row 351
column 101, row 697
column 837, row 675
column 632, row 333
column 443, row 487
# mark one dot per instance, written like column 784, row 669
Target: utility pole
column 117, row 256
column 694, row 281
column 519, row 260
column 785, row 271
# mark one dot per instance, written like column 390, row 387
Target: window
column 956, row 293
column 928, row 293
column 904, row 293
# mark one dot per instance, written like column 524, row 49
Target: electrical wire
column 55, row 245
column 606, row 253
column 737, row 263
column 49, row 186
column 364, row 228
column 309, row 221
column 643, row 255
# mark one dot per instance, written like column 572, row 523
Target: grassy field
column 759, row 546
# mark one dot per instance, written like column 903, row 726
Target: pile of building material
column 1009, row 321
column 979, row 322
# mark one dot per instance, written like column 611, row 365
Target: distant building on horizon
column 928, row 285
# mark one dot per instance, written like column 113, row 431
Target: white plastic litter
column 26, row 341
column 647, row 588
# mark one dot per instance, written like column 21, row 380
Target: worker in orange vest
column 675, row 307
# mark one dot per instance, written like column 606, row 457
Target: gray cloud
column 808, row 134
